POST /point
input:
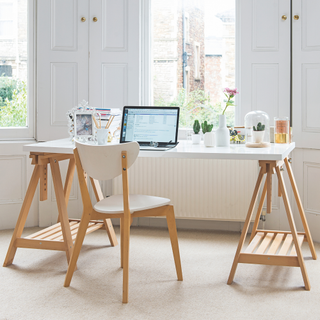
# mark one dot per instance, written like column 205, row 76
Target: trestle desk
column 269, row 247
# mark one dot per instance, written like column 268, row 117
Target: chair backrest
column 104, row 162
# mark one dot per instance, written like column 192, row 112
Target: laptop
column 154, row 128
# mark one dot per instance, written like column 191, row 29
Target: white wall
column 15, row 173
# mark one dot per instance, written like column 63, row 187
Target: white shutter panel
column 114, row 78
column 306, row 73
column 264, row 81
column 62, row 56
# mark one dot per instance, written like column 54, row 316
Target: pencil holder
column 102, row 135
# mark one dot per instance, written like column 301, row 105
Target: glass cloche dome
column 257, row 126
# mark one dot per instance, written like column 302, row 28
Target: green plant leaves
column 197, row 105
column 13, row 112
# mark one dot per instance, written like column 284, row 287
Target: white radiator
column 198, row 189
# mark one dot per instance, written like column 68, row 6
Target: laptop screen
column 146, row 124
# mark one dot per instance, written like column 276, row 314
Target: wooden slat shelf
column 54, row 232
column 272, row 248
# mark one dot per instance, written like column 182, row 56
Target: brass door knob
column 83, row 19
column 95, row 19
column 296, row 17
column 284, row 17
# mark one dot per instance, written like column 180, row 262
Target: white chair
column 105, row 163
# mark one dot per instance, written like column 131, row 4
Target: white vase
column 222, row 133
column 196, row 138
column 209, row 139
column 257, row 136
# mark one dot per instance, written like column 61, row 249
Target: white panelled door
column 306, row 73
column 264, row 57
column 114, row 53
column 62, row 75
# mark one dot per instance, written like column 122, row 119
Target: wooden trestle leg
column 246, row 225
column 293, row 229
column 23, row 215
column 301, row 211
column 68, row 182
column 61, row 235
column 62, row 207
column 257, row 219
column 264, row 244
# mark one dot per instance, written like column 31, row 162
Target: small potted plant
column 258, row 133
column 208, row 134
column 196, row 137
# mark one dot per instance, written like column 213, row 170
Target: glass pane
column 13, row 65
column 6, row 11
column 6, row 29
column 193, row 44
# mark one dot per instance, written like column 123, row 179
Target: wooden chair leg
column 77, row 247
column 23, row 215
column 121, row 241
column 293, row 230
column 107, row 222
column 125, row 258
column 171, row 221
column 246, row 225
column 256, row 221
column 301, row 210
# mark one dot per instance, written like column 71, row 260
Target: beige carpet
column 32, row 288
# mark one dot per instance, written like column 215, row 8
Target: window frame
column 197, row 60
column 27, row 133
column 187, row 75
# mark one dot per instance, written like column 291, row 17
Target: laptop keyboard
column 158, row 148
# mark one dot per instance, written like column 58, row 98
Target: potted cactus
column 196, row 137
column 208, row 134
column 258, row 133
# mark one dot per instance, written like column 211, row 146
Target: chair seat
column 114, row 204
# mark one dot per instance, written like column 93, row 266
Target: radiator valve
column 263, row 216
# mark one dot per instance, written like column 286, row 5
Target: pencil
column 95, row 122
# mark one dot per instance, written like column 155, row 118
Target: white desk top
column 185, row 149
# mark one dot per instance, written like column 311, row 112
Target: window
column 193, row 57
column 6, row 20
column 16, row 59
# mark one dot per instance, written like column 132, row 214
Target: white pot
column 257, row 136
column 209, row 139
column 102, row 135
column 196, row 138
column 222, row 133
